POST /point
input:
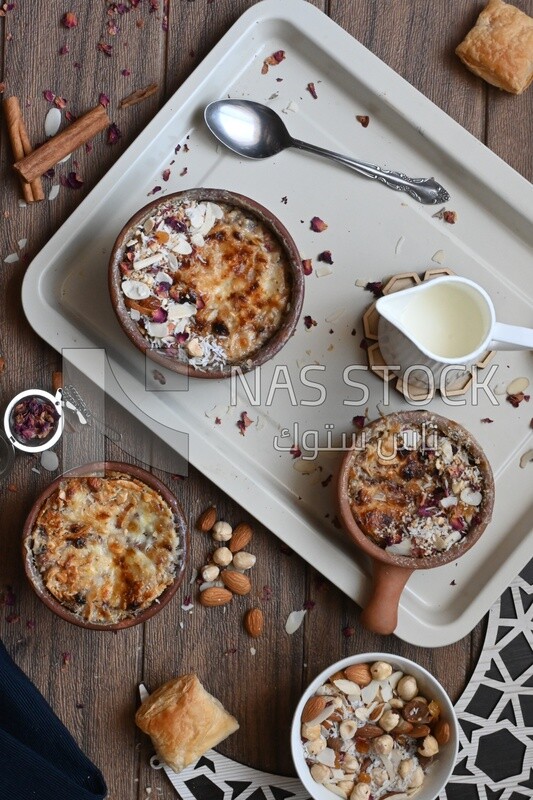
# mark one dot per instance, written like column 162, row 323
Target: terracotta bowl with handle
column 391, row 571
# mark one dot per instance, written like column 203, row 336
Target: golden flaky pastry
column 499, row 48
column 184, row 721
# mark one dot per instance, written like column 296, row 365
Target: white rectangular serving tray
column 372, row 232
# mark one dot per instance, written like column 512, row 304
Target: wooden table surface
column 90, row 678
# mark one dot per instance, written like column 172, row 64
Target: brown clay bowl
column 296, row 277
column 391, row 571
column 35, row 578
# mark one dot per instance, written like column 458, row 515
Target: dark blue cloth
column 39, row 759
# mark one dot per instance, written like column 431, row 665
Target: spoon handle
column 424, row 190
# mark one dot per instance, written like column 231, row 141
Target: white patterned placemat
column 495, row 713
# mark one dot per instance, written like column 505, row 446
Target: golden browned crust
column 184, row 721
column 499, row 48
column 106, row 547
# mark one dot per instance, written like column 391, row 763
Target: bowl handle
column 381, row 612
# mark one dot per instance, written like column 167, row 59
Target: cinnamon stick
column 20, row 144
column 138, row 96
column 60, row 145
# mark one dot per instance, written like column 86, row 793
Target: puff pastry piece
column 184, row 721
column 499, row 48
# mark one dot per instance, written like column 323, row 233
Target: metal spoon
column 256, row 131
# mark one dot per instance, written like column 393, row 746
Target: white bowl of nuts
column 374, row 726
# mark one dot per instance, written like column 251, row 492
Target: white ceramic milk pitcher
column 436, row 331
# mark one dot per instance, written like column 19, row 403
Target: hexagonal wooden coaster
column 376, row 362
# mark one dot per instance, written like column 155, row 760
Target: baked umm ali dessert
column 184, row 721
column 106, row 549
column 206, row 280
column 499, row 48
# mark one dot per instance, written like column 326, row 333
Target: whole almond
column 358, row 673
column 403, row 727
column 314, row 706
column 207, row 519
column 242, row 535
column 215, row 596
column 441, row 732
column 236, row 581
column 253, row 624
column 369, row 731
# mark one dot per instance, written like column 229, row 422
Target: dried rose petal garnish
column 244, row 422
column 359, row 421
column 307, row 266
column 49, row 95
column 105, row 48
column 363, row 119
column 487, row 419
column 309, row 322
column 33, row 418
column 113, row 133
column 318, row 225
column 450, row 217
column 72, row 180
column 64, row 49
column 272, row 61
column 69, row 20
column 516, row 399
column 325, row 256
column 312, row 90
column 295, row 451
column 376, row 287
column 103, row 99
column 165, row 174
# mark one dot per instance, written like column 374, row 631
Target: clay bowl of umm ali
column 415, row 492
column 105, row 546
column 205, row 281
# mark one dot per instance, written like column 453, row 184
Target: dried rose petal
column 66, row 658
column 33, row 418
column 72, row 180
column 312, row 91
column 155, row 190
column 70, row 117
column 244, row 422
column 376, row 287
column 49, row 95
column 69, row 20
column 160, row 315
column 449, row 216
column 165, row 174
column 309, row 605
column 183, row 172
column 105, row 48
column 359, row 421
column 307, row 266
column 64, row 49
column 112, row 27
column 88, row 147
column 325, row 257
column 309, row 322
column 181, row 337
column 318, row 225
column 348, row 631
column 272, row 61
column 363, row 119
column 59, row 102
column 113, row 133
column 218, row 421
column 327, row 481
column 516, row 399
column 487, row 419
column 295, row 451
column 126, row 73
column 103, row 99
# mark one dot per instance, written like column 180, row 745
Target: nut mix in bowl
column 205, row 280
column 414, row 492
column 105, row 546
column 374, row 726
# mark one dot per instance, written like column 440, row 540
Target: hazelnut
column 210, row 572
column 406, row 767
column 194, row 348
column 336, row 789
column 350, row 763
column 396, row 702
column 315, row 746
column 221, row 531
column 381, row 670
column 430, row 747
column 242, row 560
column 222, row 556
column 379, row 776
column 417, row 779
column 320, row 773
column 345, row 787
column 310, row 732
column 383, row 744
column 361, row 791
column 389, row 720
column 407, row 688
column 348, row 728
